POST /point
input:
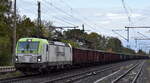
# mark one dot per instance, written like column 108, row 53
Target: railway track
column 122, row 75
column 131, row 75
column 57, row 77
column 127, row 74
column 79, row 76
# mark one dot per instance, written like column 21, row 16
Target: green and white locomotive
column 39, row 54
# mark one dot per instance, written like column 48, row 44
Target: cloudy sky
column 101, row 16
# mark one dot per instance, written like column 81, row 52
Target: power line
column 69, row 15
column 84, row 18
column 60, row 19
column 63, row 20
column 58, row 9
column 119, row 35
column 46, row 14
column 126, row 11
column 85, row 21
column 28, row 1
column 67, row 5
column 129, row 19
column 142, row 34
column 92, row 26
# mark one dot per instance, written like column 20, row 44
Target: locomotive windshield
column 28, row 46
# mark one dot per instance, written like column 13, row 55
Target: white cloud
column 121, row 16
column 103, row 22
column 116, row 16
column 136, row 15
column 98, row 14
column 111, row 14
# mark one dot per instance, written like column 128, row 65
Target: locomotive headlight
column 39, row 58
column 16, row 59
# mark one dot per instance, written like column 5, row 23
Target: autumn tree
column 5, row 31
column 114, row 44
column 141, row 52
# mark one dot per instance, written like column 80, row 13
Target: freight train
column 35, row 54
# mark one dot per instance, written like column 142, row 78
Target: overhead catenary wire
column 60, row 18
column 67, row 5
column 43, row 14
column 70, row 15
column 84, row 18
column 142, row 35
column 130, row 21
column 126, row 11
column 93, row 27
column 64, row 21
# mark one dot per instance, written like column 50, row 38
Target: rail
column 123, row 75
column 137, row 75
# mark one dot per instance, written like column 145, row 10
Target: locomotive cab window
column 28, row 46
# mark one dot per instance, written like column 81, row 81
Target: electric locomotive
column 35, row 54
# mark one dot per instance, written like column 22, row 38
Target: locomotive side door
column 47, row 49
column 45, row 53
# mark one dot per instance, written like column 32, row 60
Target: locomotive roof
column 34, row 39
column 59, row 43
column 45, row 41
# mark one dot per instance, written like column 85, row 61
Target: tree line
column 28, row 28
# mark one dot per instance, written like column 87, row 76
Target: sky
column 101, row 16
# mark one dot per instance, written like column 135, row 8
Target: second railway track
column 81, row 75
column 127, row 74
column 131, row 75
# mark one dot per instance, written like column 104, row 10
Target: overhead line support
column 39, row 18
column 14, row 34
